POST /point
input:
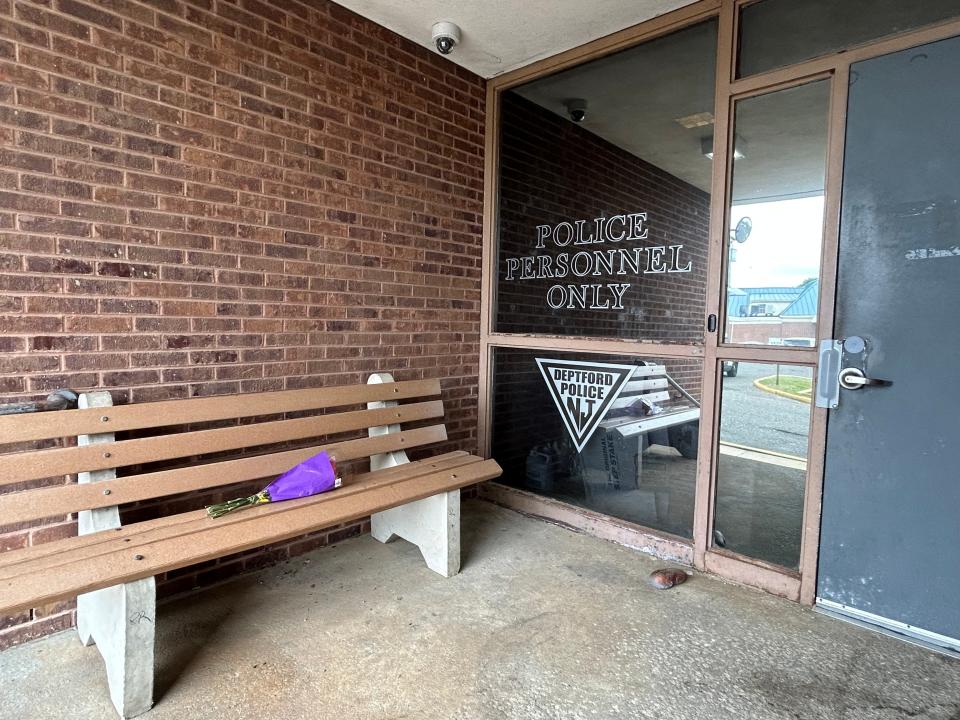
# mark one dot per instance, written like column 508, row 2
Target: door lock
column 852, row 378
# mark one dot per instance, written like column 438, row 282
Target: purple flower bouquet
column 313, row 476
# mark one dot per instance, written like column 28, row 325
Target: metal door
column 890, row 537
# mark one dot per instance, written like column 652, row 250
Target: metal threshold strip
column 917, row 636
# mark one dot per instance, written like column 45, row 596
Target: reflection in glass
column 775, row 33
column 773, row 254
column 762, row 462
column 639, row 463
column 603, row 215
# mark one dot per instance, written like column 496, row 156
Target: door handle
column 852, row 378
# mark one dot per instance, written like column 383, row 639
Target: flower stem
column 221, row 509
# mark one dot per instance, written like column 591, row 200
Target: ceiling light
column 696, row 120
column 739, row 147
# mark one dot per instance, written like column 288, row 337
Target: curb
column 781, row 393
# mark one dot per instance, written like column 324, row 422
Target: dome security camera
column 446, row 35
column 577, row 109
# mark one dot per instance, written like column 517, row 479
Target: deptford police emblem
column 583, row 393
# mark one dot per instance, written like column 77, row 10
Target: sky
column 784, row 248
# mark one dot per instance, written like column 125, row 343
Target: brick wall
column 203, row 197
column 760, row 330
column 554, row 170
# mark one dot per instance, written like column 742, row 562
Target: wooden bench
column 112, row 568
column 652, row 401
column 652, row 409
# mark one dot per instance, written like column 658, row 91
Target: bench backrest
column 649, row 383
column 262, row 427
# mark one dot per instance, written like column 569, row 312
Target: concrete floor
column 541, row 623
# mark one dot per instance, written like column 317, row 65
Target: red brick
column 53, row 104
column 29, row 203
column 23, row 33
column 84, row 91
column 124, row 121
column 97, row 324
column 15, row 74
column 77, row 381
column 61, row 343
column 23, row 118
column 56, row 23
column 93, row 212
column 70, row 266
column 27, row 631
column 24, row 364
column 95, row 361
column 84, row 131
column 133, row 307
column 90, row 173
column 89, row 13
column 151, row 147
column 57, row 188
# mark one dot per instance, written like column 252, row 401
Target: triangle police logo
column 583, row 393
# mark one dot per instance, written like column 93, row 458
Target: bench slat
column 642, row 371
column 64, row 499
column 653, row 422
column 627, row 401
column 641, row 385
column 20, row 467
column 65, row 423
column 82, row 548
column 253, row 528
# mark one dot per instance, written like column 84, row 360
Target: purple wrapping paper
column 311, row 477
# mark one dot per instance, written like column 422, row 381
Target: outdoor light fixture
column 739, row 147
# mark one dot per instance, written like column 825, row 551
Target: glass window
column 762, row 462
column 776, row 217
column 605, row 195
column 615, row 434
column 775, row 33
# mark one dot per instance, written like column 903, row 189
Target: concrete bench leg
column 432, row 524
column 120, row 619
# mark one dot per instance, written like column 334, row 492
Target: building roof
column 802, row 299
column 806, row 304
column 773, row 294
column 736, row 302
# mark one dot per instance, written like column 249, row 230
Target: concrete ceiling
column 636, row 97
column 501, row 35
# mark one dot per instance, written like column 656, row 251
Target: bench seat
column 63, row 569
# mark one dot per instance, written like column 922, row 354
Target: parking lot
column 760, row 419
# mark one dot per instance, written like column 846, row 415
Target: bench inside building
column 141, row 453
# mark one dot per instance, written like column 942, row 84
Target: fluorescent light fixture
column 696, row 120
column 739, row 147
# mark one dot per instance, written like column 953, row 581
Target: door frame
column 796, row 585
